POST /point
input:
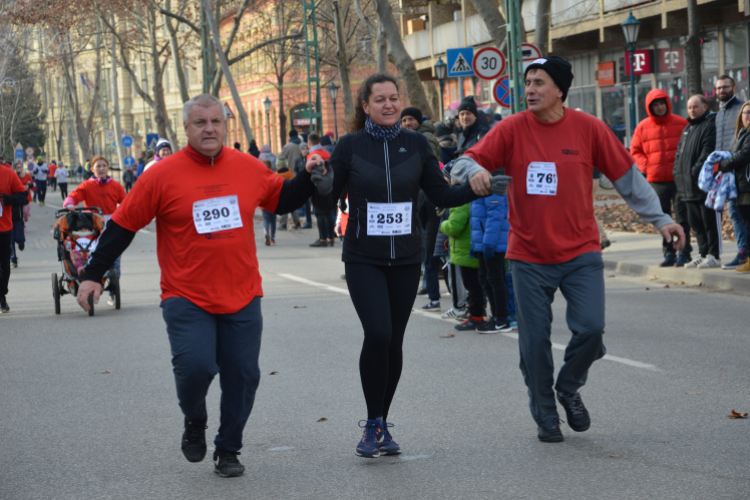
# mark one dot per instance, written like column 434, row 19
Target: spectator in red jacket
column 654, row 146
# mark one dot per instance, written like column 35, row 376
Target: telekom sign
column 643, row 62
column 671, row 60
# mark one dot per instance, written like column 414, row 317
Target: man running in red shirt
column 550, row 153
column 12, row 195
column 204, row 198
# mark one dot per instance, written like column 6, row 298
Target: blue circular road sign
column 129, row 161
column 127, row 141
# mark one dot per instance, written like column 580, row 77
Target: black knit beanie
column 558, row 69
column 413, row 112
column 293, row 133
column 468, row 104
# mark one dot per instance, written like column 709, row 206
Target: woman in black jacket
column 739, row 162
column 383, row 167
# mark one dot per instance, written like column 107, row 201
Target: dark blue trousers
column 581, row 281
column 16, row 236
column 204, row 344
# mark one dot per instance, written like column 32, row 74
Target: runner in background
column 61, row 174
column 101, row 191
column 51, row 179
column 12, row 194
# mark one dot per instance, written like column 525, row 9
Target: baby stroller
column 77, row 233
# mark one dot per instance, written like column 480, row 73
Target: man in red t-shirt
column 12, row 195
column 52, row 180
column 204, row 198
column 550, row 152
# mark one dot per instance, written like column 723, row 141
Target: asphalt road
column 659, row 404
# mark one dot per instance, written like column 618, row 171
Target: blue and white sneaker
column 369, row 445
column 389, row 446
column 432, row 306
column 514, row 324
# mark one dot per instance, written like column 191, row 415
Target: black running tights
column 383, row 297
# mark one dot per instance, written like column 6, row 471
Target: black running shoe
column 4, row 308
column 227, row 465
column 578, row 415
column 550, row 434
column 194, row 440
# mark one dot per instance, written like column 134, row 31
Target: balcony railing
column 447, row 36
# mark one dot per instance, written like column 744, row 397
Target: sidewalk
column 640, row 255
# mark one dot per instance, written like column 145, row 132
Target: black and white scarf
column 383, row 134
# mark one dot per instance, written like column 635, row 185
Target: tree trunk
column 693, row 50
column 404, row 62
column 176, row 57
column 382, row 48
column 116, row 101
column 282, row 116
column 346, row 88
column 494, row 21
column 541, row 33
column 206, row 4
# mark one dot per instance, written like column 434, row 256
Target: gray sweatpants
column 581, row 281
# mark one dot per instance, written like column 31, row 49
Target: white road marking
column 281, row 448
column 435, row 315
column 413, row 457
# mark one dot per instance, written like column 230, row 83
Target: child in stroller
column 77, row 232
column 78, row 235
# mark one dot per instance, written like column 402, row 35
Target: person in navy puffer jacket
column 489, row 241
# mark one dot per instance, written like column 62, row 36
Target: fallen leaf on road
column 611, row 276
column 699, row 284
column 666, row 286
column 272, row 373
column 736, row 414
column 105, row 371
column 682, row 282
column 655, row 277
column 447, row 335
column 693, row 393
column 648, row 289
column 322, row 419
column 300, row 307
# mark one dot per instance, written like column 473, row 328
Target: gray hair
column 203, row 100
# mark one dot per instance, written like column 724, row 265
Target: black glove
column 322, row 181
column 342, row 205
column 7, row 199
column 499, row 183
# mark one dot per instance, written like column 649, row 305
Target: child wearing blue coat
column 489, row 242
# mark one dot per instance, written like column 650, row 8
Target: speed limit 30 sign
column 489, row 63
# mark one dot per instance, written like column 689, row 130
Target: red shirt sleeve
column 79, row 193
column 15, row 185
column 491, row 150
column 610, row 156
column 271, row 184
column 140, row 206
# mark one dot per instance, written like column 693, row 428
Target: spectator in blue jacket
column 489, row 241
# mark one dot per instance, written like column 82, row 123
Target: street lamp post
column 333, row 91
column 267, row 105
column 630, row 28
column 440, row 71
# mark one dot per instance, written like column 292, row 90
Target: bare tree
column 541, row 30
column 490, row 14
column 155, row 51
column 403, row 61
column 381, row 45
column 225, row 69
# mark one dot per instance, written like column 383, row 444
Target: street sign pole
column 515, row 55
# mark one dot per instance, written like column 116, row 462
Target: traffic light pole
column 515, row 55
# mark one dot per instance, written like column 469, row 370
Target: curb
column 726, row 280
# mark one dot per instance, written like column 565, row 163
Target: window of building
column 613, row 110
column 736, row 57
column 582, row 95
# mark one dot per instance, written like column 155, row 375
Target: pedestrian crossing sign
column 459, row 61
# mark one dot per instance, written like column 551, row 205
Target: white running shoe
column 451, row 313
column 695, row 263
column 710, row 262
